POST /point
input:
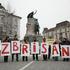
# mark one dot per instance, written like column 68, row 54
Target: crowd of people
column 35, row 56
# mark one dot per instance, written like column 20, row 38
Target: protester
column 65, row 42
column 44, row 55
column 36, row 53
column 56, row 57
column 49, row 52
column 25, row 57
column 6, row 39
column 15, row 39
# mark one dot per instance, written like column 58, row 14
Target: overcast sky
column 49, row 12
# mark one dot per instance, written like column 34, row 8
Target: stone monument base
column 30, row 38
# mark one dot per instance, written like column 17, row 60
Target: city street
column 35, row 65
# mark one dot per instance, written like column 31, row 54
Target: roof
column 1, row 7
column 58, row 25
column 64, row 23
column 51, row 29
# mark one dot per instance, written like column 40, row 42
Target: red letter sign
column 44, row 48
column 15, row 46
column 34, row 48
column 55, row 50
column 25, row 50
column 5, row 50
column 65, row 51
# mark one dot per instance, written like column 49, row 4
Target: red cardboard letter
column 24, row 49
column 45, row 50
column 55, row 50
column 34, row 47
column 5, row 50
column 64, row 51
column 15, row 47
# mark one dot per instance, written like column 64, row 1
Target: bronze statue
column 30, row 15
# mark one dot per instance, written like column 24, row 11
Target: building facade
column 9, row 24
column 62, row 30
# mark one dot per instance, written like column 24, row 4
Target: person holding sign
column 15, row 39
column 65, row 42
column 35, row 49
column 25, row 48
column 55, row 50
column 6, row 39
column 45, row 49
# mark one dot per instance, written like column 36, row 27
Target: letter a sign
column 55, row 50
column 15, row 45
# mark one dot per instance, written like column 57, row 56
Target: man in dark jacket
column 65, row 42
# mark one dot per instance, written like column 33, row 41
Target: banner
column 55, row 50
column 15, row 46
column 25, row 50
column 65, row 51
column 34, row 48
column 5, row 49
column 44, row 48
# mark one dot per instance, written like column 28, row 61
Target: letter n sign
column 65, row 51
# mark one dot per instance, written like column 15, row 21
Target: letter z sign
column 5, row 49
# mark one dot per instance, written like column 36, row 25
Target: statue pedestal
column 30, row 38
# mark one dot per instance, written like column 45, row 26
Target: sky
column 49, row 12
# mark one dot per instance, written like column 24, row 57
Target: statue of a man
column 30, row 15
